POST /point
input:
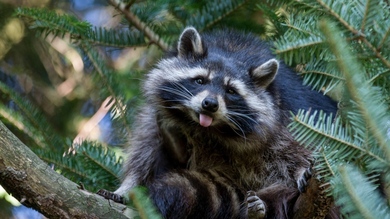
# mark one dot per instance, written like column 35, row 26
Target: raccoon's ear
column 265, row 73
column 190, row 44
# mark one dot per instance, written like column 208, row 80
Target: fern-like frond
column 357, row 196
column 158, row 17
column 49, row 22
column 66, row 165
column 341, row 11
column 91, row 164
column 365, row 20
column 275, row 20
column 321, row 75
column 140, row 24
column 371, row 13
column 300, row 26
column 332, row 141
column 21, row 123
column 105, row 166
column 384, row 29
column 115, row 38
column 213, row 12
column 46, row 21
column 300, row 50
column 109, row 85
column 143, row 204
column 373, row 110
column 374, row 25
column 36, row 123
column 278, row 3
column 325, row 164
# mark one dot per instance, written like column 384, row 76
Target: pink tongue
column 205, row 120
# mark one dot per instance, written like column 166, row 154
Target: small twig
column 340, row 19
column 141, row 26
column 81, row 186
column 129, row 4
column 377, row 53
column 358, row 33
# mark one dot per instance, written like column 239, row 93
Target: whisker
column 178, row 92
column 238, row 126
column 245, row 112
column 183, row 88
column 243, row 116
column 170, row 107
column 169, row 101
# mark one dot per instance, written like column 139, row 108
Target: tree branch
column 36, row 185
column 141, row 26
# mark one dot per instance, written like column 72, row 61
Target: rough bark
column 36, row 185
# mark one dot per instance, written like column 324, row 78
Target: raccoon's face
column 204, row 89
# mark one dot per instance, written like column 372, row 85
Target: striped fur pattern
column 211, row 140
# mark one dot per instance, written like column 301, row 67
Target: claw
column 111, row 196
column 303, row 180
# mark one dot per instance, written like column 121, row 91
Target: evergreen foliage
column 358, row 196
column 339, row 47
column 96, row 165
column 30, row 120
column 139, row 199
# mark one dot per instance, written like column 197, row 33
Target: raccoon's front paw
column 303, row 180
column 111, row 196
column 256, row 206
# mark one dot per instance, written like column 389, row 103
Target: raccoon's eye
column 199, row 80
column 231, row 91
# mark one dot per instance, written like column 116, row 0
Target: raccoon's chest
column 245, row 172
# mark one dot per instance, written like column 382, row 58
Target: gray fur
column 266, row 72
column 167, row 153
column 190, row 38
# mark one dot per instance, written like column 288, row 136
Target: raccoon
column 211, row 140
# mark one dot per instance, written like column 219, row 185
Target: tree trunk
column 36, row 185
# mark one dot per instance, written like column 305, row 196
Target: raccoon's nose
column 210, row 104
